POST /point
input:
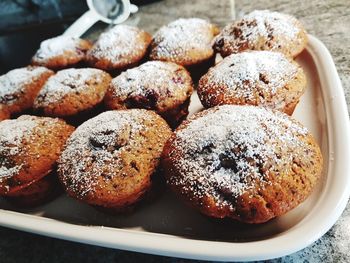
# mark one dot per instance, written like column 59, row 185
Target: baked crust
column 242, row 162
column 109, row 160
column 262, row 30
column 259, row 78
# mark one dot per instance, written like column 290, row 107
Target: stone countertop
column 329, row 20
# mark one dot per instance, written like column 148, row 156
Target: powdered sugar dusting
column 249, row 76
column 122, row 42
column 230, row 148
column 65, row 82
column 178, row 39
column 95, row 146
column 12, row 133
column 14, row 82
column 163, row 78
column 260, row 29
column 267, row 21
column 57, row 46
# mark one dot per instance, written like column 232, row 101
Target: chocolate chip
column 208, row 148
column 148, row 101
column 219, row 43
column 263, row 78
column 226, row 194
column 228, row 161
column 107, row 140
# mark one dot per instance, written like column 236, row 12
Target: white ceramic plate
column 167, row 227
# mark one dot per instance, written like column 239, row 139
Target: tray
column 167, row 227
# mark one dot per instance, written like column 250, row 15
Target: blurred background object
column 25, row 23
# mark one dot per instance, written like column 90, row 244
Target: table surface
column 329, row 20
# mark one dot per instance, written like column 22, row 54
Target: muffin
column 187, row 42
column 19, row 87
column 72, row 92
column 120, row 48
column 262, row 30
column 109, row 160
column 61, row 52
column 242, row 162
column 37, row 193
column 29, row 149
column 260, row 78
column 164, row 87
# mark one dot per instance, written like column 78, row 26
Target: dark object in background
column 25, row 23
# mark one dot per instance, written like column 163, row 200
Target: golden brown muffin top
column 61, row 51
column 29, row 148
column 13, row 85
column 184, row 41
column 262, row 30
column 230, row 151
column 119, row 47
column 72, row 90
column 254, row 77
column 155, row 85
column 114, row 152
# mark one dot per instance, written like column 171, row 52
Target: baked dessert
column 19, row 87
column 187, row 42
column 164, row 87
column 242, row 162
column 262, row 30
column 260, row 78
column 120, row 48
column 61, row 52
column 29, row 149
column 72, row 92
column 109, row 160
column 36, row 193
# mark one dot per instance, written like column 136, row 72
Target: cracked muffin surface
column 119, row 48
column 260, row 78
column 109, row 160
column 71, row 91
column 164, row 87
column 242, row 162
column 262, row 30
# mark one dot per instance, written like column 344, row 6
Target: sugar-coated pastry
column 164, row 87
column 36, row 193
column 19, row 87
column 242, row 162
column 260, row 78
column 119, row 48
column 29, row 149
column 61, row 52
column 109, row 160
column 187, row 42
column 262, row 30
column 71, row 92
